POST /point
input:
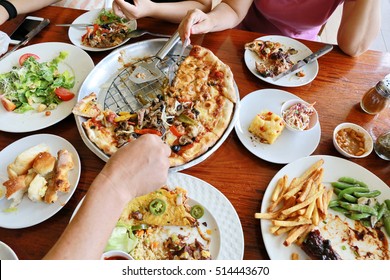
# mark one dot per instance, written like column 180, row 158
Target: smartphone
column 28, row 24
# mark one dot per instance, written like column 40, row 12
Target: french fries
column 297, row 207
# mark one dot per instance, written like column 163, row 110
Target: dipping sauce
column 351, row 141
column 115, row 258
column 382, row 146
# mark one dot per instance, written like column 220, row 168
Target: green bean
column 351, row 191
column 381, row 210
column 357, row 216
column 350, row 180
column 350, row 198
column 367, row 194
column 366, row 223
column 339, row 209
column 342, row 185
column 387, row 202
column 336, row 191
column 334, row 203
column 386, row 223
column 359, row 208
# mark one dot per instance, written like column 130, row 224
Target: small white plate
column 6, row 253
column 75, row 33
column 30, row 213
column 78, row 63
column 310, row 70
column 290, row 145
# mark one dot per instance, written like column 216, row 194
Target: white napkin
column 4, row 42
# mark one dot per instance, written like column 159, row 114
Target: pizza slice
column 162, row 207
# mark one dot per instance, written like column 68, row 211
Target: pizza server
column 309, row 59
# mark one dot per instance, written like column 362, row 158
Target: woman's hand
column 195, row 22
column 140, row 9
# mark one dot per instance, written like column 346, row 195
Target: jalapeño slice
column 197, row 211
column 157, row 207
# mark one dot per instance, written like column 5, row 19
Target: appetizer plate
column 334, row 168
column 75, row 33
column 30, row 213
column 304, row 143
column 227, row 237
column 310, row 70
column 78, row 63
column 6, row 253
column 102, row 78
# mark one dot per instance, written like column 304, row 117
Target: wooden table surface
column 236, row 172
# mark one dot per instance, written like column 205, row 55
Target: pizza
column 190, row 115
column 274, row 59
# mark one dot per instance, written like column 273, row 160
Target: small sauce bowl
column 116, row 255
column 353, row 129
column 313, row 118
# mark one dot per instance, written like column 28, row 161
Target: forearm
column 175, row 12
column 98, row 213
column 359, row 26
column 24, row 7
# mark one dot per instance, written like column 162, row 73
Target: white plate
column 6, row 253
column 304, row 143
column 30, row 213
column 227, row 238
column 78, row 63
column 75, row 33
column 310, row 70
column 334, row 168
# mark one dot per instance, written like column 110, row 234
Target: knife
column 28, row 37
column 305, row 61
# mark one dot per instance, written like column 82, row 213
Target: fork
column 173, row 67
column 140, row 32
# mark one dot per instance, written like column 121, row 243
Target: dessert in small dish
column 352, row 140
column 298, row 115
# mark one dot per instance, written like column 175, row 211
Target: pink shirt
column 293, row 18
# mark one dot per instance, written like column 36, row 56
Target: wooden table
column 237, row 173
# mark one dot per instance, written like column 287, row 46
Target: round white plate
column 304, row 143
column 75, row 33
column 310, row 70
column 6, row 253
column 334, row 168
column 227, row 237
column 78, row 63
column 30, row 213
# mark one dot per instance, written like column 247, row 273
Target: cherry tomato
column 23, row 57
column 64, row 94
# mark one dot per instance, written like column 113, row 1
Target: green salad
column 35, row 84
column 107, row 16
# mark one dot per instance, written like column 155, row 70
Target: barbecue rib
column 318, row 248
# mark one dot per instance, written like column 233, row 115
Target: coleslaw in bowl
column 299, row 115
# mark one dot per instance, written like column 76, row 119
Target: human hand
column 139, row 167
column 195, row 22
column 140, row 9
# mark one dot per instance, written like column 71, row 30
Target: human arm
column 173, row 12
column 360, row 24
column 24, row 7
column 135, row 169
column 227, row 14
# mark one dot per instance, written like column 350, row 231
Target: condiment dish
column 116, row 255
column 350, row 149
column 305, row 121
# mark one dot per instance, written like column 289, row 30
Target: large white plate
column 30, row 213
column 310, row 70
column 75, row 33
column 227, row 237
column 334, row 168
column 78, row 63
column 290, row 145
column 6, row 253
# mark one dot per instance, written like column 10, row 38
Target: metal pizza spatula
column 148, row 71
